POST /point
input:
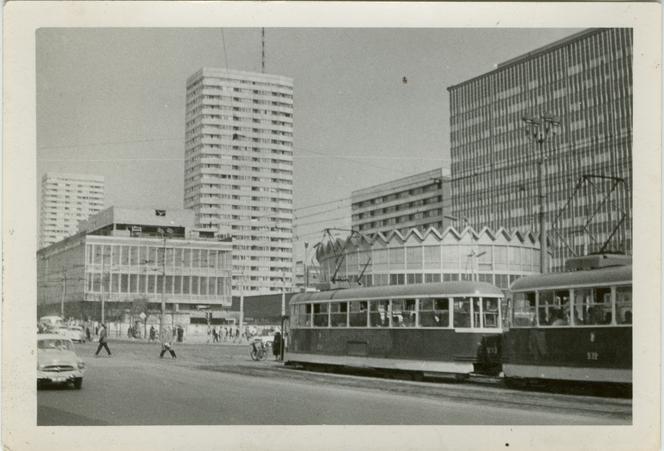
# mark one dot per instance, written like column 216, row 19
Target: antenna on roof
column 263, row 50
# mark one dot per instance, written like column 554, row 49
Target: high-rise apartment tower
column 585, row 83
column 67, row 199
column 239, row 171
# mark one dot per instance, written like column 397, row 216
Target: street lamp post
column 539, row 129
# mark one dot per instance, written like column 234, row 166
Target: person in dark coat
column 276, row 345
column 102, row 340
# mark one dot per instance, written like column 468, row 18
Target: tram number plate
column 590, row 355
column 492, row 350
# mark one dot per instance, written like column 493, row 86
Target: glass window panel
column 624, row 305
column 169, row 284
column 186, row 258
column 379, row 313
column 357, row 316
column 204, row 286
column 338, row 314
column 403, row 313
column 133, row 283
column 124, row 283
column 141, row 283
column 124, row 256
column 211, row 285
column 151, row 283
column 321, row 315
column 177, row 284
column 185, row 284
column 115, row 283
column 194, row 284
column 490, row 311
column 160, row 284
column 434, row 312
column 524, row 309
column 461, row 312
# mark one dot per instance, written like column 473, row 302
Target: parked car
column 74, row 333
column 57, row 362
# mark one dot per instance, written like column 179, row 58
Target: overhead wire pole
column 539, row 130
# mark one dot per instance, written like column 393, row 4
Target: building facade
column 585, row 81
column 239, row 170
column 132, row 259
column 419, row 201
column 498, row 257
column 67, row 199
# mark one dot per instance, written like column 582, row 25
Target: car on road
column 57, row 362
column 74, row 333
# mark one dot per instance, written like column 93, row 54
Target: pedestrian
column 152, row 333
column 209, row 332
column 87, row 333
column 276, row 345
column 237, row 334
column 215, row 335
column 102, row 340
column 166, row 345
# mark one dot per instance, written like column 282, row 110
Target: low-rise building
column 129, row 261
column 497, row 257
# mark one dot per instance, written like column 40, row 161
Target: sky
column 111, row 102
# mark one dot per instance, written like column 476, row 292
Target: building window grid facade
column 111, row 270
column 586, row 82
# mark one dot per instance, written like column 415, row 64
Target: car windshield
column 54, row 343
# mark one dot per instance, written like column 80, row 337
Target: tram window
column 592, row 306
column 554, row 308
column 461, row 312
column 476, row 312
column 431, row 278
column 434, row 312
column 339, row 314
column 403, row 313
column 490, row 309
column 524, row 309
column 302, row 315
column 321, row 315
column 379, row 315
column 624, row 305
column 357, row 315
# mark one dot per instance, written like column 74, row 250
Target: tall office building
column 239, row 171
column 67, row 199
column 585, row 81
column 419, row 201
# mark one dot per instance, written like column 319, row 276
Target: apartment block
column 67, row 199
column 239, row 171
column 417, row 202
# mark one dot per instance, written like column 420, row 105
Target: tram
column 427, row 330
column 572, row 326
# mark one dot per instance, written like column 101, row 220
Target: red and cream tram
column 428, row 329
column 573, row 326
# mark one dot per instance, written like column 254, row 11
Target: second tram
column 430, row 329
column 572, row 326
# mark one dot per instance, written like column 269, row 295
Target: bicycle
column 257, row 350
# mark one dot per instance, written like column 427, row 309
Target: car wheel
column 78, row 383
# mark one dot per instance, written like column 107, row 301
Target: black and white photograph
column 255, row 222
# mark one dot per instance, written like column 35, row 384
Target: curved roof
column 603, row 276
column 458, row 288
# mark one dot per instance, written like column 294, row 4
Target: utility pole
column 101, row 279
column 539, row 129
column 64, row 292
column 306, row 269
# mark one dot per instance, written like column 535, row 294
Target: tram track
column 475, row 392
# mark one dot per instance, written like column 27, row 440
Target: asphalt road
column 221, row 385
